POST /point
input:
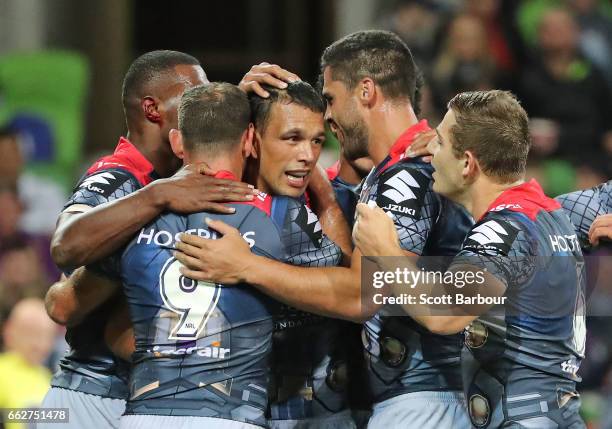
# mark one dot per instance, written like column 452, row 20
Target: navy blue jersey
column 521, row 358
column 310, row 352
column 201, row 349
column 402, row 356
column 347, row 195
column 584, row 206
column 90, row 367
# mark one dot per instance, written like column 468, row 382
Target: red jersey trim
column 527, row 198
column 333, row 171
column 262, row 200
column 126, row 156
column 403, row 142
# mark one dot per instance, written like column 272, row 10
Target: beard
column 356, row 139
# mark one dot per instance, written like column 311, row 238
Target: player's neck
column 156, row 151
column 389, row 121
column 347, row 173
column 233, row 163
column 483, row 193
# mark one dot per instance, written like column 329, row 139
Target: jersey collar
column 403, row 142
column 527, row 198
column 126, row 150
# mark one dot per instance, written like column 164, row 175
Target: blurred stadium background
column 62, row 63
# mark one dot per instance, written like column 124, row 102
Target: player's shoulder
column 496, row 233
column 105, row 181
column 404, row 187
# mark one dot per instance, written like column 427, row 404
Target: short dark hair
column 300, row 93
column 149, row 66
column 380, row 55
column 213, row 117
column 494, row 126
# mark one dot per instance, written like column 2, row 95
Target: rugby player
column 369, row 82
column 288, row 140
column 202, row 350
column 91, row 382
column 521, row 357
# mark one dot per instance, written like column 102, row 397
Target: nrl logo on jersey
column 403, row 192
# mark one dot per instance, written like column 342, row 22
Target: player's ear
column 256, row 143
column 176, row 143
column 471, row 167
column 150, row 109
column 366, row 91
column 247, row 141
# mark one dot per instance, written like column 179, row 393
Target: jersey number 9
column 194, row 301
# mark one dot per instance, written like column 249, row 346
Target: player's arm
column 375, row 235
column 329, row 291
column 85, row 234
column 324, row 204
column 119, row 332
column 72, row 298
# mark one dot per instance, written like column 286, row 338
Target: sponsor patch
column 491, row 237
column 104, row 182
column 402, row 192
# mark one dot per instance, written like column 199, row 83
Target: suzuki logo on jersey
column 489, row 232
column 167, row 239
column 402, row 192
column 400, row 189
column 492, row 236
column 564, row 243
column 309, row 222
column 104, row 183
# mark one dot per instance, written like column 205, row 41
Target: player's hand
column 266, row 73
column 220, row 261
column 419, row 146
column 193, row 189
column 601, row 228
column 374, row 232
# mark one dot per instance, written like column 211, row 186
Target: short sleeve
column 405, row 192
column 103, row 186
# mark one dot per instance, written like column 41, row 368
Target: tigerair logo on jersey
column 570, row 366
column 403, row 192
column 492, row 237
column 104, row 183
column 165, row 238
column 309, row 223
column 213, row 351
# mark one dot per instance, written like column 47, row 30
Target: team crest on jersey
column 104, row 182
column 402, row 192
column 309, row 223
column 491, row 237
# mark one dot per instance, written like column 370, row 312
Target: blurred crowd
column 556, row 55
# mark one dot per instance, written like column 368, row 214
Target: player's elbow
column 355, row 312
column 65, row 253
column 58, row 309
column 441, row 325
